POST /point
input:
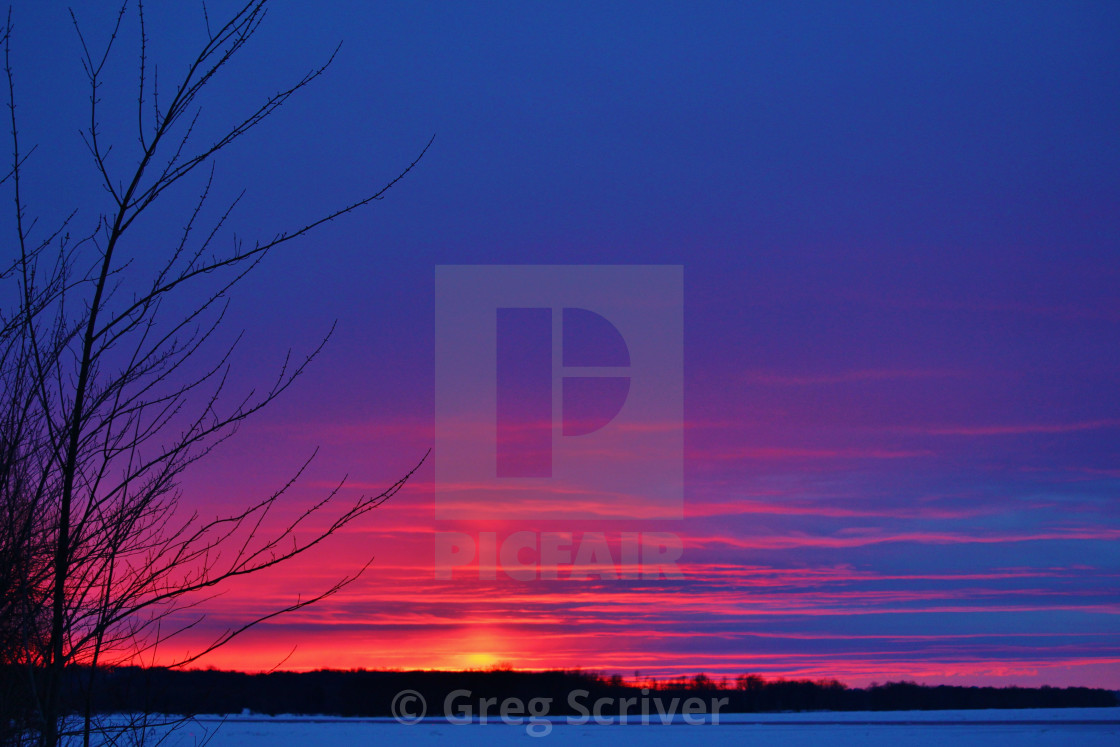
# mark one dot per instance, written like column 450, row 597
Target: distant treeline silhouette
column 371, row 693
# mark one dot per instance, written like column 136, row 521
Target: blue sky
column 901, row 246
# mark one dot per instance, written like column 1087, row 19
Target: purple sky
column 900, row 232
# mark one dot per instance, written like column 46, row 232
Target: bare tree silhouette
column 115, row 383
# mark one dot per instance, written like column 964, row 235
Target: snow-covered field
column 1082, row 727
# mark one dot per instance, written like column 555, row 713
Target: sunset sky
column 899, row 232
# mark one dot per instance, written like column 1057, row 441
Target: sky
column 898, row 241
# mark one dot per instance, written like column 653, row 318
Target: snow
column 1084, row 727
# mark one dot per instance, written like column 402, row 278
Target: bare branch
column 112, row 392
